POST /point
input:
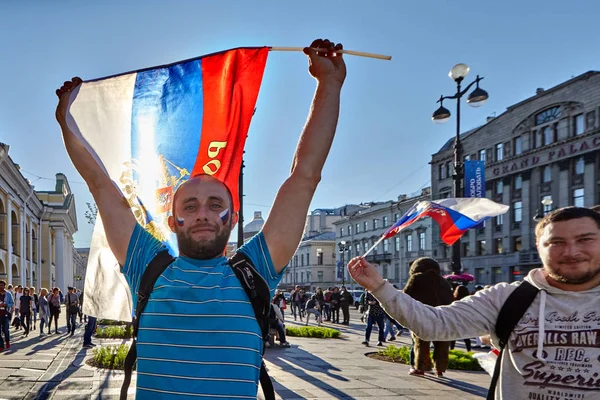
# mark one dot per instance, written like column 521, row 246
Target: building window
column 496, row 275
column 357, row 249
column 442, row 171
column 465, row 249
column 499, row 153
column 320, row 276
column 578, row 197
column 498, row 246
column 386, row 245
column 449, row 169
column 518, row 182
column 366, row 247
column 517, row 243
column 499, row 186
column 302, row 260
column 481, row 247
column 518, row 145
column 579, row 124
column 366, row 226
column 409, row 243
column 384, row 220
column 421, row 240
column 579, row 166
column 396, row 217
column 375, row 224
column 320, row 257
column 517, row 211
column 385, row 271
column 341, row 232
column 548, row 115
column 547, row 174
column 482, row 155
column 301, row 276
column 308, row 274
column 357, row 228
column 397, row 243
column 499, row 220
column 467, row 158
column 548, row 135
column 308, row 259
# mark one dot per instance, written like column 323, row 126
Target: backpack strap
column 259, row 294
column 155, row 268
column 509, row 316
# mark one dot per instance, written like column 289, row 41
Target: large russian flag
column 155, row 128
column 454, row 215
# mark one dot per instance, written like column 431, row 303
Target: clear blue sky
column 385, row 136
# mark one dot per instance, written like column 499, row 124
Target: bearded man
column 198, row 336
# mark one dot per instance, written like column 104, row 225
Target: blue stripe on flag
column 172, row 100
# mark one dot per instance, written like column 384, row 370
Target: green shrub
column 457, row 359
column 112, row 357
column 111, row 322
column 396, row 354
column 115, row 332
column 312, row 331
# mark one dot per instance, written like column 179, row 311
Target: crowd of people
column 21, row 307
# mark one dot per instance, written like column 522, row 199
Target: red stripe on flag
column 448, row 230
column 231, row 82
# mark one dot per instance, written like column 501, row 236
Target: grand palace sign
column 566, row 149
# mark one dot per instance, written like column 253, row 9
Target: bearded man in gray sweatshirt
column 554, row 350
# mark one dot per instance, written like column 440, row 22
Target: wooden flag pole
column 349, row 52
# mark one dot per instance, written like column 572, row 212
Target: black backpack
column 509, row 316
column 254, row 285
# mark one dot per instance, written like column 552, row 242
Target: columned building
column 313, row 264
column 359, row 231
column 36, row 229
column 540, row 154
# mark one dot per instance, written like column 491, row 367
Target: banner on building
column 474, row 179
column 340, row 270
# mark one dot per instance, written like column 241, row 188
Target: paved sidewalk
column 54, row 368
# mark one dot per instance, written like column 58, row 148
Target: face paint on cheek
column 180, row 221
column 224, row 215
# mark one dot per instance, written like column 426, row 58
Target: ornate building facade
column 360, row 230
column 542, row 153
column 36, row 229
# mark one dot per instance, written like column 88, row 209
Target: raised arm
column 285, row 224
column 117, row 218
column 469, row 317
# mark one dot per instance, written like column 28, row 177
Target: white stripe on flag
column 103, row 111
column 474, row 208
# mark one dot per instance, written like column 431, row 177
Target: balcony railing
column 379, row 257
column 529, row 257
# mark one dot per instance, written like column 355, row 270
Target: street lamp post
column 343, row 246
column 546, row 207
column 477, row 98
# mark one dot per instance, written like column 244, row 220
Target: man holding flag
column 548, row 323
column 198, row 335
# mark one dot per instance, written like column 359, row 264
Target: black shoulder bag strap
column 258, row 292
column 509, row 316
column 154, row 269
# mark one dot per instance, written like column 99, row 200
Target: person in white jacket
column 554, row 351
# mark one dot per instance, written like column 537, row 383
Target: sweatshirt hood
column 537, row 278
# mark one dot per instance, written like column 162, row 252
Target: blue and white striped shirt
column 198, row 336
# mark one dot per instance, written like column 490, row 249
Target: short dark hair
column 566, row 214
column 3, row 283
